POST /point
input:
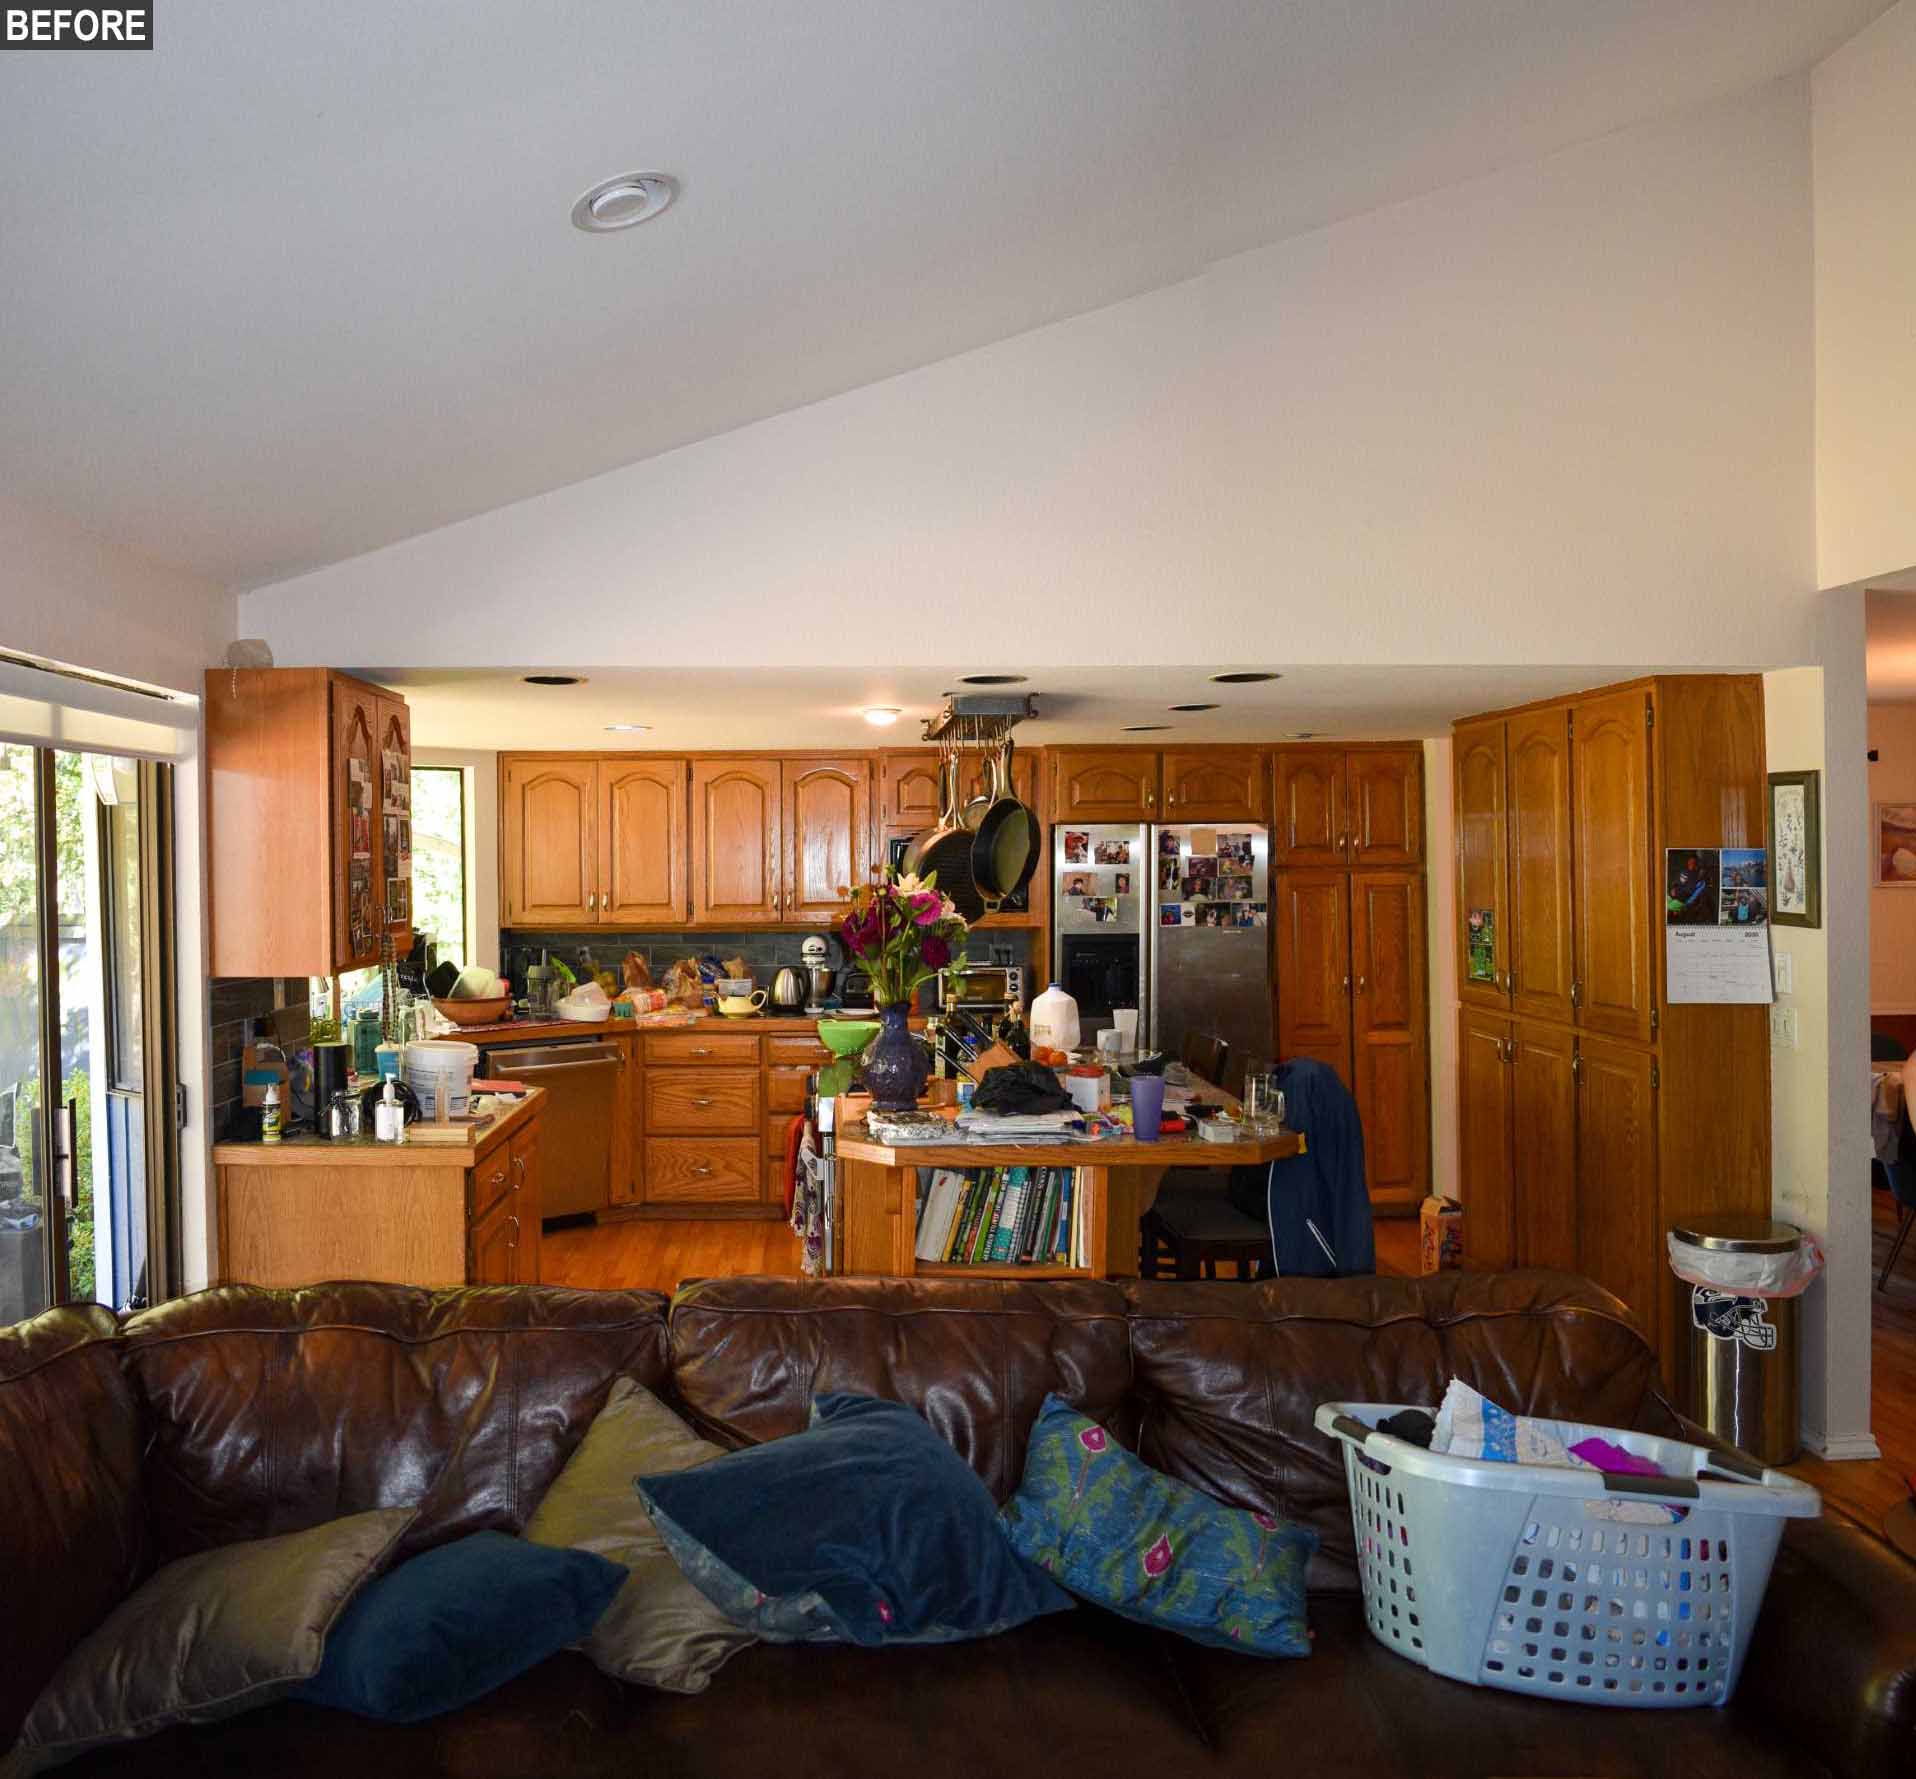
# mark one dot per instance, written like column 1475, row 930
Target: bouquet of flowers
column 903, row 931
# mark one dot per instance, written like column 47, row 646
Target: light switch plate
column 1783, row 1028
column 1785, row 973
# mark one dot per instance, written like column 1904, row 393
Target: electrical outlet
column 1785, row 973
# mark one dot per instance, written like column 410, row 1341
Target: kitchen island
column 1119, row 1179
column 309, row 1208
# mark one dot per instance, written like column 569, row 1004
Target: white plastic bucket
column 427, row 1064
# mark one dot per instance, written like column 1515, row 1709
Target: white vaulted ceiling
column 300, row 282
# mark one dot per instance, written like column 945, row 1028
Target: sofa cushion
column 1140, row 1543
column 1228, row 1381
column 74, row 1521
column 660, row 1630
column 206, row 1637
column 455, row 1622
column 974, row 1357
column 274, row 1410
column 866, row 1528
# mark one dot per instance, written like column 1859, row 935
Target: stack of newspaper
column 1022, row 1127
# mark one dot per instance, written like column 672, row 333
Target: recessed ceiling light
column 994, row 679
column 628, row 728
column 553, row 679
column 1144, row 728
column 1243, row 679
column 1188, row 707
column 623, row 202
column 882, row 716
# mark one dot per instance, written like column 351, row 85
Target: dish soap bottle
column 269, row 1120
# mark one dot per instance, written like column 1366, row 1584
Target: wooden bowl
column 487, row 1012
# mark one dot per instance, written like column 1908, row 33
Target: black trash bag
column 1020, row 1087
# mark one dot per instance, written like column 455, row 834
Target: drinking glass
column 1263, row 1100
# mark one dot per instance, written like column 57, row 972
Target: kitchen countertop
column 303, row 1148
column 533, row 1030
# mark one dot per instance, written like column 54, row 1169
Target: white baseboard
column 1843, row 1448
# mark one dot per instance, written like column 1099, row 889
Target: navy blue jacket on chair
column 1325, row 1185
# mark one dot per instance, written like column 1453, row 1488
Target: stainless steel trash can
column 1736, row 1351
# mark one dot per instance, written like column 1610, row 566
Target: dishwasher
column 582, row 1078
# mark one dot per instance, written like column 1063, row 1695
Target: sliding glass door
column 85, row 1163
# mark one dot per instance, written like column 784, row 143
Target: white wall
column 1562, row 413
column 1865, row 260
column 73, row 599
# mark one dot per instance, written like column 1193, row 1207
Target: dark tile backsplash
column 233, row 1004
column 764, row 953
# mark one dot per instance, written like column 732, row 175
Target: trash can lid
column 1737, row 1232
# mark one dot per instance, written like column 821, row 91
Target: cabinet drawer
column 808, row 1051
column 703, row 1170
column 700, row 1100
column 673, row 1048
column 785, row 1090
column 488, row 1180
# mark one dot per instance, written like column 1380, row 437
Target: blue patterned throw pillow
column 866, row 1528
column 1126, row 1537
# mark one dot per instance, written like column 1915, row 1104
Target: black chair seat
column 1194, row 1227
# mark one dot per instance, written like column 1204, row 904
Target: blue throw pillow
column 866, row 1528
column 1126, row 1537
column 453, row 1623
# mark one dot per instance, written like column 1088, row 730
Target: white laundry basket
column 1515, row 1575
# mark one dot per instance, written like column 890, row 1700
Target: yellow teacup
column 740, row 1006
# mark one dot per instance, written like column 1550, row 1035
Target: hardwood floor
column 1870, row 1490
column 627, row 1254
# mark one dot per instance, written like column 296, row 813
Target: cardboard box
column 1440, row 1229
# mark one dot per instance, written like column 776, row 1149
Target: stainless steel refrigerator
column 1170, row 918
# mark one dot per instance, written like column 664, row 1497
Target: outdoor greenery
column 84, row 1275
column 439, row 857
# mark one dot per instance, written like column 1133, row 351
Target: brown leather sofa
column 241, row 1413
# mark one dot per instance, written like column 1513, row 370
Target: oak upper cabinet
column 828, row 835
column 1310, row 824
column 1486, row 1159
column 1107, row 784
column 1541, row 973
column 1483, row 882
column 643, row 836
column 309, row 822
column 1390, row 1031
column 909, row 793
column 1217, row 784
column 549, row 841
column 1610, row 814
column 975, row 779
column 737, row 836
column 1384, row 792
column 1311, row 912
column 1616, row 1176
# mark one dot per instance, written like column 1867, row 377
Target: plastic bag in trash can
column 1747, row 1275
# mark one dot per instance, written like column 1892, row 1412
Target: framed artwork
column 1796, row 849
column 1896, row 845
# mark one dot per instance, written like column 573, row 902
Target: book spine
column 1009, row 1214
column 1034, row 1209
column 988, row 1218
column 1041, row 1245
column 1061, row 1236
column 967, row 1219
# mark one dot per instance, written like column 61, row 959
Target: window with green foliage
column 439, row 857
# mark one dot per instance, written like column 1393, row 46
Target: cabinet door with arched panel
column 737, row 839
column 549, row 842
column 642, row 827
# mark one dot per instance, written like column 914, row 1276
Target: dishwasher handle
column 508, row 1065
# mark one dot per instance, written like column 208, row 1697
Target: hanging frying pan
column 946, row 849
column 1004, row 851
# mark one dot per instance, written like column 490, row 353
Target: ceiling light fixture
column 994, row 679
column 623, row 202
column 628, row 728
column 553, row 679
column 1243, row 679
column 882, row 716
column 1190, row 707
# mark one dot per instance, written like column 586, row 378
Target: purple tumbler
column 1147, row 1107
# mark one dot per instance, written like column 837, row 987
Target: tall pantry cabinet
column 1347, row 906
column 1592, row 1114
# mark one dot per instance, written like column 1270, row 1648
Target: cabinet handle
column 703, row 1050
column 514, row 1221
column 1576, row 994
column 1150, row 798
column 498, row 1176
column 1362, row 983
column 703, row 1169
column 519, row 1169
column 702, row 1104
column 1347, row 985
column 1576, row 1066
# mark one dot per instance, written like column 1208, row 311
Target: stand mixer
column 818, row 974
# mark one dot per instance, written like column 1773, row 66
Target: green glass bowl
column 846, row 1037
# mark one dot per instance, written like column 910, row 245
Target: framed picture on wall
column 1896, row 845
column 1796, row 849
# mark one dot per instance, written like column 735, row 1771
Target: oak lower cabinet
column 1595, row 1112
column 703, row 1151
column 1352, row 992
column 305, row 1210
column 309, row 821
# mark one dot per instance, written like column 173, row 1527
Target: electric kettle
column 788, row 990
